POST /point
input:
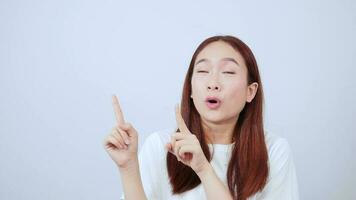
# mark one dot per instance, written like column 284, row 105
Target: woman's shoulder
column 152, row 151
column 158, row 139
column 278, row 146
column 161, row 135
column 279, row 150
column 282, row 179
column 274, row 140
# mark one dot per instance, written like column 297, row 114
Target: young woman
column 220, row 149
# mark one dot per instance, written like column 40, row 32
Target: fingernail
column 127, row 142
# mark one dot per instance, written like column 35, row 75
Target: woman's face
column 220, row 72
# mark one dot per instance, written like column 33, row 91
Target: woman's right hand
column 121, row 143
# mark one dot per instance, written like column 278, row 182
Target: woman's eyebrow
column 231, row 59
column 223, row 59
column 202, row 60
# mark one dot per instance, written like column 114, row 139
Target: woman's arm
column 131, row 180
column 186, row 147
column 282, row 182
column 213, row 186
column 122, row 146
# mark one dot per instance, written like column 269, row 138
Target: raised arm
column 186, row 147
column 121, row 145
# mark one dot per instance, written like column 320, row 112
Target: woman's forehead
column 221, row 62
column 219, row 52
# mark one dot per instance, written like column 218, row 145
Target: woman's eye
column 229, row 72
column 201, row 71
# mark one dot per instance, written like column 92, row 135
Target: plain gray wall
column 60, row 62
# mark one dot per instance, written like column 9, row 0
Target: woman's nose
column 213, row 83
column 213, row 87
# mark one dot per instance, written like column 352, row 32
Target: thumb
column 168, row 146
column 128, row 128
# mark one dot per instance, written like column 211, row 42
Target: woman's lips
column 213, row 102
column 213, row 105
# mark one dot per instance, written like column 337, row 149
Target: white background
column 60, row 62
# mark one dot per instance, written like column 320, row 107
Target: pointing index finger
column 180, row 121
column 117, row 110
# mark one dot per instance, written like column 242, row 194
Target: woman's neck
column 219, row 133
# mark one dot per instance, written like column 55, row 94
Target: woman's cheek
column 236, row 97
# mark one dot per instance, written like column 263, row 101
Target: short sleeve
column 150, row 164
column 282, row 182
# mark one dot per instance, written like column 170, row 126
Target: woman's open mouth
column 213, row 102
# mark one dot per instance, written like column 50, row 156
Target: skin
column 121, row 145
column 223, row 74
column 210, row 78
column 226, row 80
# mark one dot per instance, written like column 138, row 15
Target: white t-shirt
column 281, row 184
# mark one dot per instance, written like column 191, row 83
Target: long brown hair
column 248, row 167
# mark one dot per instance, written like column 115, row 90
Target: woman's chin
column 213, row 118
column 218, row 117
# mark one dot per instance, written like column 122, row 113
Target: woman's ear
column 251, row 91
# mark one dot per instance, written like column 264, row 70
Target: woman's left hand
column 186, row 146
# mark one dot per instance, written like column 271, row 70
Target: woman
column 220, row 149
